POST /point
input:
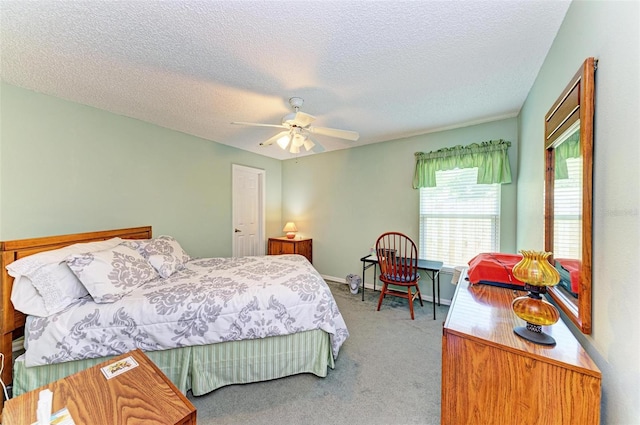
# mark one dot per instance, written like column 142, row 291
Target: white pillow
column 63, row 288
column 110, row 274
column 44, row 284
column 164, row 253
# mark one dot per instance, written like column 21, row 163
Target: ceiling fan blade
column 260, row 125
column 333, row 132
column 274, row 139
column 298, row 119
column 302, row 119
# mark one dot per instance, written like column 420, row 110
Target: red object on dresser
column 572, row 267
column 494, row 268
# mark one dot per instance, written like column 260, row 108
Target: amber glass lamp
column 537, row 273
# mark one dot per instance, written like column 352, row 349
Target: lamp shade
column 284, row 141
column 291, row 229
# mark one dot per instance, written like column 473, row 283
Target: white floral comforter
column 211, row 300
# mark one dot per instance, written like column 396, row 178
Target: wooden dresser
column 490, row 375
column 303, row 246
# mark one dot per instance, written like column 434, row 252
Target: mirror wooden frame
column 576, row 103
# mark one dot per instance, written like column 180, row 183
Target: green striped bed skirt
column 204, row 368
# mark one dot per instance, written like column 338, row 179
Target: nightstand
column 278, row 246
column 140, row 395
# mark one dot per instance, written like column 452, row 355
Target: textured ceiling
column 387, row 69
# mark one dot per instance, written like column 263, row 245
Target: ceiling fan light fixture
column 298, row 130
column 283, row 142
column 298, row 140
column 308, row 144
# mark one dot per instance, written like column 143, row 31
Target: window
column 567, row 214
column 459, row 218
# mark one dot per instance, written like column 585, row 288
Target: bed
column 206, row 322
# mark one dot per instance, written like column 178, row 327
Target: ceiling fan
column 298, row 131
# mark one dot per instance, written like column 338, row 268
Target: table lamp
column 537, row 273
column 291, row 230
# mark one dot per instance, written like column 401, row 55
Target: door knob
column 237, row 231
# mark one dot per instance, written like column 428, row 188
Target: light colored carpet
column 387, row 372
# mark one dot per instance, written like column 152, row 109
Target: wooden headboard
column 12, row 325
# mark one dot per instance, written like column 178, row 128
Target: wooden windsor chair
column 398, row 259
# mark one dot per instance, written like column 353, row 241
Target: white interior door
column 248, row 211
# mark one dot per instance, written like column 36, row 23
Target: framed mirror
column 568, row 194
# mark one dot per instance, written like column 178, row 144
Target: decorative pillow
column 137, row 244
column 164, row 253
column 110, row 274
column 44, row 284
column 59, row 288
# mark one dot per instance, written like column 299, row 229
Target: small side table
column 432, row 269
column 279, row 246
column 141, row 395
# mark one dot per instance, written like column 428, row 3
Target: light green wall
column 69, row 168
column 345, row 199
column 610, row 32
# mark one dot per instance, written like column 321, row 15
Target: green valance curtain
column 570, row 148
column 489, row 157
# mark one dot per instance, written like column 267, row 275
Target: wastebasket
column 354, row 281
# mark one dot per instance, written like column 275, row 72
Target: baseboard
column 369, row 286
column 334, row 279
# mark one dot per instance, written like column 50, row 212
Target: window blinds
column 459, row 218
column 567, row 209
